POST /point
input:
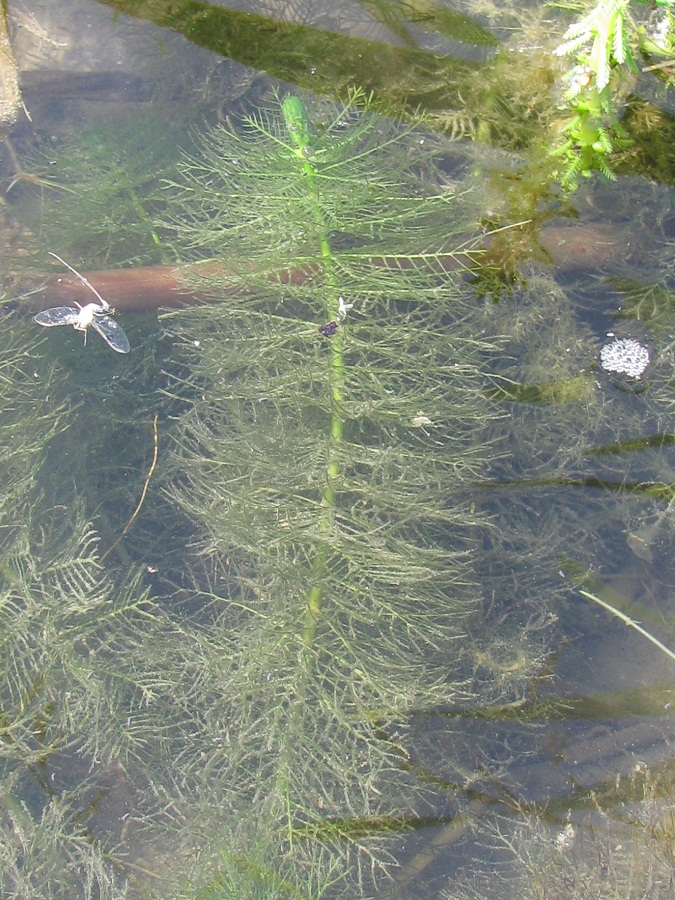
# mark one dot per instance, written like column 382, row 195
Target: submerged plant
column 315, row 575
column 600, row 47
column 622, row 846
column 250, row 632
column 95, row 193
column 326, row 470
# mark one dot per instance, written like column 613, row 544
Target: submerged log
column 145, row 287
column 142, row 288
column 152, row 287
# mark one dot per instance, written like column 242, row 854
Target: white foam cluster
column 625, row 356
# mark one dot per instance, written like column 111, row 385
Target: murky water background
column 293, row 614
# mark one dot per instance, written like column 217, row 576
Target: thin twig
column 630, row 622
column 143, row 492
column 666, row 64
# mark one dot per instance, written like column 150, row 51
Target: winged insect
column 98, row 315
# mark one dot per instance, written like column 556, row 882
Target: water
column 297, row 610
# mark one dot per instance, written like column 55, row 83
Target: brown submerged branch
column 152, row 287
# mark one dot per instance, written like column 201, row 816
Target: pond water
column 353, row 576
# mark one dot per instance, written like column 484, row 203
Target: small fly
column 98, row 315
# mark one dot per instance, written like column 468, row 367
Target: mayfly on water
column 98, row 315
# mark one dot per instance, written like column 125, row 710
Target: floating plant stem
column 297, row 124
column 630, row 622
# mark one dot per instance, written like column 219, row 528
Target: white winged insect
column 98, row 315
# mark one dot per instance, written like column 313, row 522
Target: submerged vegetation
column 623, row 846
column 318, row 489
column 491, row 94
column 327, row 475
column 601, row 46
column 309, row 601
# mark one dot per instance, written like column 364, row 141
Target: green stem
column 145, row 218
column 297, row 123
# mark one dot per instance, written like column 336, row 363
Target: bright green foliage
column 588, row 143
column 600, row 45
column 605, row 30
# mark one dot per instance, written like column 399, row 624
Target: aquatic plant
column 308, row 533
column 600, row 46
column 255, row 674
column 54, row 605
column 102, row 181
column 325, row 472
column 622, row 846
